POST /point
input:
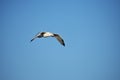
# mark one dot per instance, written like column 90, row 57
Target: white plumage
column 48, row 34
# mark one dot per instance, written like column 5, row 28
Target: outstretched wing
column 33, row 39
column 38, row 35
column 59, row 39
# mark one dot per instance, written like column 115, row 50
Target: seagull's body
column 49, row 34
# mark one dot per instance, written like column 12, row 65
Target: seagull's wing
column 33, row 39
column 59, row 39
column 38, row 35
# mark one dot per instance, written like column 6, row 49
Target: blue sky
column 90, row 29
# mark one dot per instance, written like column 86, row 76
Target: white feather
column 48, row 34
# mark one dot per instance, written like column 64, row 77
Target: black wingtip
column 31, row 40
column 63, row 44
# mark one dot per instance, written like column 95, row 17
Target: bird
column 48, row 34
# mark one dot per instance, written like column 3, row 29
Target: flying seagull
column 49, row 34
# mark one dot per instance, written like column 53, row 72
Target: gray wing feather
column 59, row 39
column 36, row 36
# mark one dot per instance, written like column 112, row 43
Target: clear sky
column 90, row 29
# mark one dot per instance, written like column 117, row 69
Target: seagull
column 48, row 34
